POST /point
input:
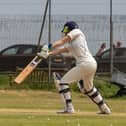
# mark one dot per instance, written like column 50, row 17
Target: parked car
column 119, row 60
column 20, row 55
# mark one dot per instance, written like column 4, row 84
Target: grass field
column 38, row 108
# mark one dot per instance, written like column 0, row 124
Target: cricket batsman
column 84, row 71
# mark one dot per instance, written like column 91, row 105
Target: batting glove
column 50, row 46
column 44, row 52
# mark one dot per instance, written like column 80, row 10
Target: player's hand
column 44, row 53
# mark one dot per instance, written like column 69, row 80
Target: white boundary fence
column 26, row 29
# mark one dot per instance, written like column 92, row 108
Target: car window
column 121, row 53
column 124, row 53
column 27, row 51
column 11, row 51
column 105, row 55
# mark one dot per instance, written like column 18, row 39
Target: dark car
column 119, row 60
column 20, row 55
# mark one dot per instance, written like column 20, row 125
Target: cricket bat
column 27, row 70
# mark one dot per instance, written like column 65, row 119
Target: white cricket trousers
column 82, row 71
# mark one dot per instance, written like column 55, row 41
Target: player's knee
column 91, row 91
column 62, row 87
column 57, row 79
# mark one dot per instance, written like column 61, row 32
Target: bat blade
column 27, row 70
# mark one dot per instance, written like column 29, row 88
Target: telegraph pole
column 49, row 41
column 43, row 23
column 111, row 40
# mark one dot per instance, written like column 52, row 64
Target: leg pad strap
column 95, row 96
column 64, row 90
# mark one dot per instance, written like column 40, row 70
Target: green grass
column 30, row 104
column 55, row 120
column 102, row 83
column 106, row 88
column 38, row 108
column 4, row 79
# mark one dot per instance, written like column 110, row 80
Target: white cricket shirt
column 78, row 47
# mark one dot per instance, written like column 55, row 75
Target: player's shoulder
column 75, row 32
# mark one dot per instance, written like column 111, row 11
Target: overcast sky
column 85, row 7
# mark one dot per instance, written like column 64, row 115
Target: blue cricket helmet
column 69, row 26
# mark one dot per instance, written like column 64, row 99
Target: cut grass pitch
column 38, row 108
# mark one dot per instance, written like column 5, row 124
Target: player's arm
column 58, row 43
column 58, row 51
column 61, row 41
column 45, row 50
